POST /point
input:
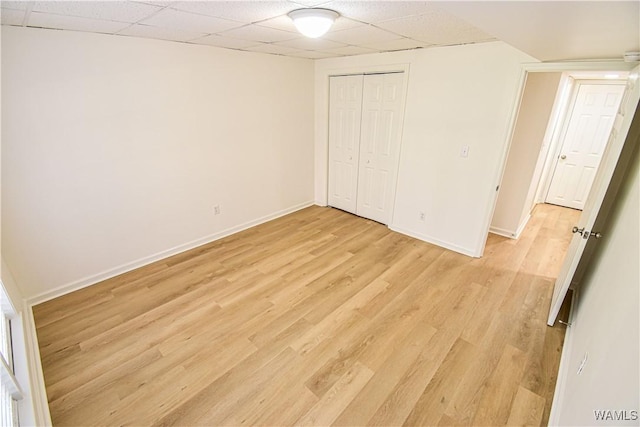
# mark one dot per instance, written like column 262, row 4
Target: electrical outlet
column 216, row 210
column 423, row 216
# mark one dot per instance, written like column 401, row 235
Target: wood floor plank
column 408, row 391
column 497, row 399
column 399, row 358
column 434, row 400
column 338, row 397
column 315, row 318
column 527, row 409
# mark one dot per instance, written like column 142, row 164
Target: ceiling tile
column 312, row 54
column 349, row 50
column 311, row 3
column 241, row 11
column 148, row 31
column 361, row 35
column 399, row 44
column 74, row 23
column 12, row 17
column 156, row 3
column 15, row 5
column 378, row 11
column 121, row 11
column 220, row 41
column 437, row 27
column 283, row 22
column 273, row 48
column 176, row 19
column 261, row 34
column 311, row 44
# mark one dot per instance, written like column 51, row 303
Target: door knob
column 563, row 157
column 586, row 234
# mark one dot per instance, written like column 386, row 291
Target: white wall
column 462, row 95
column 115, row 149
column 606, row 322
column 515, row 199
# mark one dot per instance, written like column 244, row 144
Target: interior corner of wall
column 14, row 293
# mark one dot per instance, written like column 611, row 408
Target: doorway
column 544, row 113
column 613, row 156
column 592, row 111
column 365, row 127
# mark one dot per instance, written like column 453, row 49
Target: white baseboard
column 37, row 388
column 510, row 233
column 434, row 241
column 502, row 232
column 522, row 226
column 116, row 271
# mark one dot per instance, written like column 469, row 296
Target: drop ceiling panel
column 273, row 49
column 12, row 17
column 15, row 5
column 221, row 41
column 241, row 11
column 436, row 27
column 312, row 54
column 378, row 11
column 157, row 3
column 261, row 34
column 148, row 31
column 310, row 3
column 399, row 44
column 311, row 44
column 122, row 11
column 176, row 19
column 349, row 50
column 74, row 23
column 362, row 35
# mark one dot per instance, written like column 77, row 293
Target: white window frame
column 10, row 390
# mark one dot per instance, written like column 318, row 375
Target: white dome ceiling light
column 313, row 22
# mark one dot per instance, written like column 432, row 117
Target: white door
column 590, row 122
column 380, row 145
column 345, row 112
column 592, row 205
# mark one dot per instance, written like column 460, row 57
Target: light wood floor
column 317, row 318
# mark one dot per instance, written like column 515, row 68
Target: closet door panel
column 382, row 105
column 345, row 115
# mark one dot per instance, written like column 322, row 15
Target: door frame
column 539, row 67
column 563, row 126
column 322, row 129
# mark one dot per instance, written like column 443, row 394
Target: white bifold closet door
column 345, row 110
column 365, row 126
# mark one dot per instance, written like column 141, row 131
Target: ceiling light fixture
column 313, row 22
